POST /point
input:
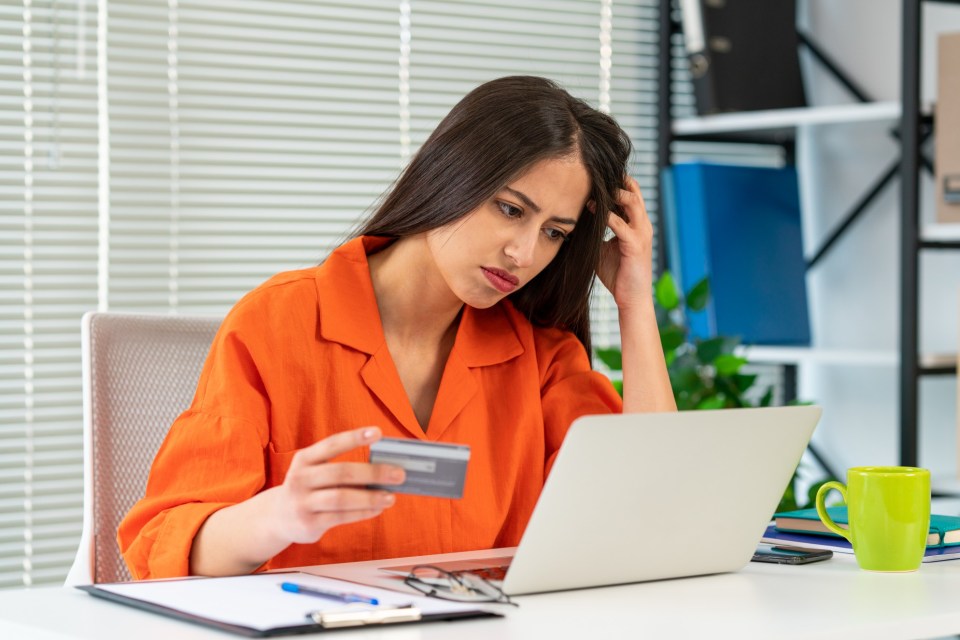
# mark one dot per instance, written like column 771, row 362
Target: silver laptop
column 640, row 497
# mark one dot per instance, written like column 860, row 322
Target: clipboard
column 255, row 606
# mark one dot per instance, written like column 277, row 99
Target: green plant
column 704, row 373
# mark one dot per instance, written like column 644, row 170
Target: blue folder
column 740, row 226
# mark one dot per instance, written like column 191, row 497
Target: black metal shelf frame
column 913, row 130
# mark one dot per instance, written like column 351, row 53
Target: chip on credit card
column 433, row 468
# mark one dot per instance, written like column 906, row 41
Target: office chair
column 139, row 373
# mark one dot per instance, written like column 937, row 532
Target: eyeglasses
column 461, row 586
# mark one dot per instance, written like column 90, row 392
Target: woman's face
column 502, row 245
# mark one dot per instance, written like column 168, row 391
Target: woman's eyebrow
column 524, row 198
column 535, row 207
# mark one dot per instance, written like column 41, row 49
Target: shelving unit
column 911, row 128
column 911, row 244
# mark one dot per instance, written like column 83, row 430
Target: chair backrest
column 139, row 373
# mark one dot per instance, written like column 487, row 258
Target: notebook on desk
column 640, row 497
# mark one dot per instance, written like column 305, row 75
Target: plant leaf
column 726, row 386
column 685, row 380
column 730, row 343
column 663, row 316
column 611, row 357
column 709, row 350
column 727, row 364
column 789, row 500
column 686, row 359
column 672, row 337
column 718, row 401
column 699, row 295
column 618, row 385
column 684, row 403
column 767, row 398
column 744, row 381
column 665, row 292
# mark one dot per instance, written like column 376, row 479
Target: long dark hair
column 494, row 134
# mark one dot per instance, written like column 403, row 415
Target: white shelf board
column 938, row 360
column 782, row 118
column 944, row 506
column 850, row 357
column 941, row 232
column 944, row 484
column 817, row 355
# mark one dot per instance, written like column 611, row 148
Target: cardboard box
column 947, row 123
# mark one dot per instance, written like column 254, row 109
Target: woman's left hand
column 626, row 259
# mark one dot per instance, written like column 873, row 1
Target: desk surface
column 832, row 599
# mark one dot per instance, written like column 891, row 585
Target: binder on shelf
column 739, row 226
column 257, row 605
column 743, row 55
column 947, row 119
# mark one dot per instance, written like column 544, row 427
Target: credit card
column 433, row 469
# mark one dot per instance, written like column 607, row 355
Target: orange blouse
column 303, row 356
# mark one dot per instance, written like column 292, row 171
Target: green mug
column 888, row 511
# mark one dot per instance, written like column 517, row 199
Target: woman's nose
column 521, row 248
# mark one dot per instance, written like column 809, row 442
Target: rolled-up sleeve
column 569, row 387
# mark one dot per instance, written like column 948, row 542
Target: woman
column 458, row 314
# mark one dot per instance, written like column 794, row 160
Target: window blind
column 245, row 139
column 48, row 262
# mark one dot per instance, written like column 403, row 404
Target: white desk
column 832, row 599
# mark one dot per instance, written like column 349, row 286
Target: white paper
column 258, row 602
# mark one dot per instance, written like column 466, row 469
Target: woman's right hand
column 317, row 495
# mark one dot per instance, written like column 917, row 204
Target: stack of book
column 803, row 528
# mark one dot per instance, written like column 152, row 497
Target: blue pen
column 324, row 593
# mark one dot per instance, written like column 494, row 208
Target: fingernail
column 387, row 499
column 396, row 474
column 369, row 434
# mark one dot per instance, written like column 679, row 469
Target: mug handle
column 822, row 509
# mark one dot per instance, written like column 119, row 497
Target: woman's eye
column 509, row 210
column 555, row 234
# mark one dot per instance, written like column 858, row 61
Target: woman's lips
column 500, row 279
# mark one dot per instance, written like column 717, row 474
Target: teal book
column 944, row 530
